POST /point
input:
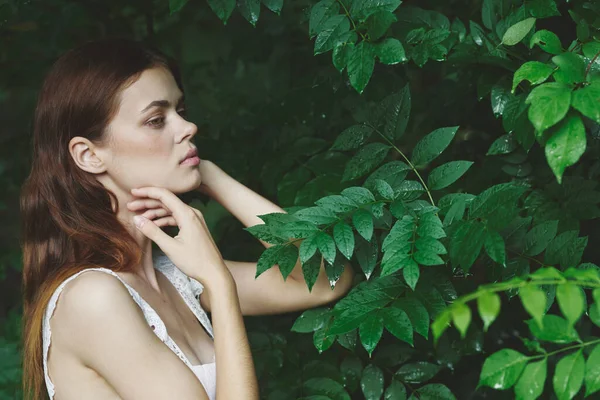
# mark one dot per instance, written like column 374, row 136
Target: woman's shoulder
column 91, row 300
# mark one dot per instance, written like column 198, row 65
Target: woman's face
column 146, row 141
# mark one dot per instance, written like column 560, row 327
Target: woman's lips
column 191, row 161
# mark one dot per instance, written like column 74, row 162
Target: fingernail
column 139, row 220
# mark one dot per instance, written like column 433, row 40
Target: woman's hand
column 193, row 250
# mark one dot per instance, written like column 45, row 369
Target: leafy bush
column 449, row 149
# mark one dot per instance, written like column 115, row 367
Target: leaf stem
column 589, row 67
column 409, row 163
column 575, row 346
column 351, row 20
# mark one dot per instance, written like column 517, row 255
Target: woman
column 110, row 143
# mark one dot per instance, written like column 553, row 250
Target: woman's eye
column 153, row 123
column 158, row 122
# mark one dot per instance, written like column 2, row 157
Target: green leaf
column 384, row 189
column 534, row 302
column 434, row 391
column 432, row 145
column 495, row 247
column 592, row 372
column 367, row 158
column 496, row 204
column 477, row 33
column 352, row 138
column 417, row 373
column 448, row 173
column 542, row 8
column 488, row 305
column 320, row 13
column 296, row 229
column 344, row 238
column 533, row 71
column 316, row 215
column 223, row 8
column 531, row 383
column 518, row 31
column 176, row 5
column 466, row 243
column 503, row 145
column 440, row 324
column 587, row 101
column 331, row 30
column 370, row 331
column 274, row 5
column 348, row 340
column 365, row 8
column 371, row 382
column 566, row 249
column 311, row 269
column 409, row 190
column 285, row 256
column 337, row 204
column 398, row 324
column 461, row 316
column 392, row 172
column 322, row 340
column 326, row 246
column 378, row 23
column 555, row 330
column 395, row 391
column 363, row 222
column 311, row 320
column 411, row 273
column 250, row 9
column 430, row 245
column 548, row 41
column 351, row 369
column 390, row 51
column 571, row 68
column 359, row 195
column 396, row 113
column 538, row 238
column 549, row 104
column 350, row 319
column 308, row 248
column 341, row 52
column 427, row 258
column 571, row 301
column 417, row 313
column 502, row 369
column 325, row 387
column 360, row 65
column 568, row 376
column 488, row 15
column 566, row 145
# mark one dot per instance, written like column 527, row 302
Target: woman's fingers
column 179, row 209
column 160, row 212
column 141, row 204
column 165, row 221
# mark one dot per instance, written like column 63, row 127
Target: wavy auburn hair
column 67, row 216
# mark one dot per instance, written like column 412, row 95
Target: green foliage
column 450, row 155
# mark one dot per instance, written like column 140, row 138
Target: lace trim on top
column 189, row 289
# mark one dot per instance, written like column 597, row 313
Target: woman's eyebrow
column 162, row 103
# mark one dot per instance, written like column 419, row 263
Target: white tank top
column 189, row 289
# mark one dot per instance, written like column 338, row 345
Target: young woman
column 104, row 317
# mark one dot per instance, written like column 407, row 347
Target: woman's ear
column 85, row 155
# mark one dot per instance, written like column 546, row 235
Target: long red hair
column 67, row 216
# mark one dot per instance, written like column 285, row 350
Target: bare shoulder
column 104, row 328
column 91, row 302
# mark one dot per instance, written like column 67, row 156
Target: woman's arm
column 236, row 376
